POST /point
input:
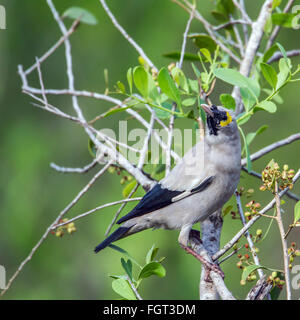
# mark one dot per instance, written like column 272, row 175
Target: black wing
column 159, row 197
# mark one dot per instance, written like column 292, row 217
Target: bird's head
column 219, row 120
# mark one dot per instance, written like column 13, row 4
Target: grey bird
column 199, row 184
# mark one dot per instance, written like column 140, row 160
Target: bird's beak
column 207, row 109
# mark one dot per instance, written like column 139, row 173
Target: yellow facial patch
column 226, row 122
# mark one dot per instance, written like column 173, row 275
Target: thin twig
column 238, row 38
column 54, row 47
column 134, row 289
column 284, row 244
column 187, row 28
column 278, row 55
column 269, row 206
column 272, row 147
column 209, row 28
column 82, row 215
column 241, row 8
column 120, row 210
column 229, row 23
column 252, row 47
column 247, row 234
column 126, row 35
column 74, row 170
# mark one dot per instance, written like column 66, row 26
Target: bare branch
column 278, row 55
column 260, row 290
column 269, row 206
column 209, row 28
column 54, row 47
column 284, row 244
column 134, row 289
column 241, row 8
column 218, row 281
column 211, row 233
column 247, row 234
column 230, row 23
column 120, row 210
column 82, row 215
column 187, row 28
column 126, row 36
column 272, row 147
column 74, row 170
column 252, row 47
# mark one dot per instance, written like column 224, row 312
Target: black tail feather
column 113, row 237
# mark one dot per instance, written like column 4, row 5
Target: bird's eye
column 226, row 121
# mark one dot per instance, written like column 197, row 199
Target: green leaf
column 168, row 86
column 226, row 210
column 129, row 79
column 284, row 72
column 122, row 287
column 151, row 254
column 92, row 148
column 189, row 102
column 275, row 292
column 203, row 40
column 235, row 78
column 127, row 266
column 152, row 268
column 121, row 87
column 219, row 16
column 206, row 54
column 297, row 212
column 196, row 71
column 128, row 188
column 269, row 74
column 124, row 252
column 249, row 269
column 283, row 19
column 226, row 7
column 227, row 101
column 248, row 99
column 180, row 79
column 80, row 13
column 269, row 53
column 267, row 106
column 145, row 83
column 162, row 114
column 176, row 56
column 193, row 84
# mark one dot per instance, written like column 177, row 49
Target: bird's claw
column 207, row 265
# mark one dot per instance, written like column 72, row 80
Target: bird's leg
column 208, row 265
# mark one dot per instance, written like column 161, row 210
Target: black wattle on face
column 213, row 123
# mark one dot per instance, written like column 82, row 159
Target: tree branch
column 269, row 206
column 126, row 36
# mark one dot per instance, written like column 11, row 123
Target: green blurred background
column 32, row 194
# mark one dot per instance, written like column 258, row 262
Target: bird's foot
column 207, row 265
